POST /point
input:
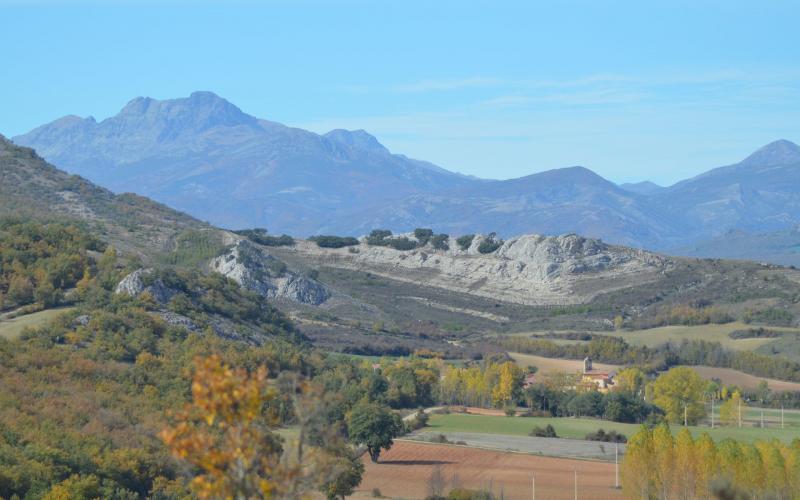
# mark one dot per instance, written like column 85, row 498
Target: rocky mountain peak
column 199, row 111
column 781, row 152
column 356, row 139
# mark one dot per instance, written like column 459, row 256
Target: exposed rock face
column 135, row 284
column 257, row 270
column 530, row 269
column 176, row 319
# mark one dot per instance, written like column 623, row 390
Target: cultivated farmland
column 405, row 471
column 577, row 428
column 548, row 365
column 728, row 376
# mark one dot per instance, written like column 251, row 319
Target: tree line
column 660, row 465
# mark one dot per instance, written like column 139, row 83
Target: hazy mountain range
column 203, row 155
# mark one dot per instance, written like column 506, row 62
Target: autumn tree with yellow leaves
column 226, row 434
column 731, row 409
column 679, row 392
column 658, row 465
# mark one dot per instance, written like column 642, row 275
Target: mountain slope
column 30, row 187
column 644, row 187
column 570, row 200
column 779, row 247
column 759, row 194
column 205, row 156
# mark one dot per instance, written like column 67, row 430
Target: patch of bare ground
column 405, row 471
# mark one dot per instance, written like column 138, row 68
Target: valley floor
column 405, row 472
column 577, row 428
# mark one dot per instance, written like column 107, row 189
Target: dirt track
column 405, row 470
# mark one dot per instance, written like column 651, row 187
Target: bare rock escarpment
column 255, row 269
column 136, row 283
column 529, row 269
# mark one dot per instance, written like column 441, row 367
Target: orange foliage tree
column 226, row 433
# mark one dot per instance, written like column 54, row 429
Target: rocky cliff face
column 530, row 269
column 255, row 269
column 136, row 284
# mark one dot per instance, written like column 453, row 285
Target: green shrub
column 465, row 241
column 606, row 437
column 401, row 243
column 423, row 235
column 328, row 241
column 194, row 247
column 439, row 242
column 489, row 244
column 546, row 432
column 378, row 237
column 260, row 236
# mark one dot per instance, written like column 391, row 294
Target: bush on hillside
column 329, row 241
column 378, row 237
column 259, row 235
column 423, row 235
column 439, row 242
column 489, row 244
column 465, row 241
column 401, row 243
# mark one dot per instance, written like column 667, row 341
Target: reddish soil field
column 405, row 470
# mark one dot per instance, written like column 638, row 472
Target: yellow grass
column 547, row 365
column 11, row 328
column 711, row 333
column 655, row 336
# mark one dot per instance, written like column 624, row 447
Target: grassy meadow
column 577, row 428
column 11, row 328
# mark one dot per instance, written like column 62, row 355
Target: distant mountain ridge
column 205, row 156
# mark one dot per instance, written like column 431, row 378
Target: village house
column 604, row 381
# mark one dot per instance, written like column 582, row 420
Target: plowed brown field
column 405, row 470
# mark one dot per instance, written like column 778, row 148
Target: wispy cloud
column 448, row 84
column 601, row 88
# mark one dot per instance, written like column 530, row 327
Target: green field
column 710, row 333
column 653, row 337
column 11, row 328
column 577, row 428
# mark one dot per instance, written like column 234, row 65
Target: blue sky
column 632, row 90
